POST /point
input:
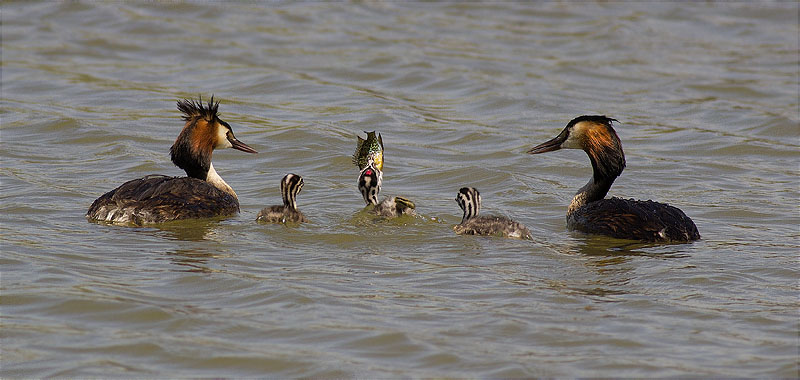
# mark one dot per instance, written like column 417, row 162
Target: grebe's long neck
column 472, row 207
column 608, row 162
column 289, row 200
column 290, row 186
column 595, row 190
column 213, row 178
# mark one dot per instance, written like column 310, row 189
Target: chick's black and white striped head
column 291, row 184
column 469, row 199
column 369, row 183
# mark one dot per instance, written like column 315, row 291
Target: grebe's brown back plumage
column 616, row 217
column 291, row 184
column 202, row 194
column 469, row 199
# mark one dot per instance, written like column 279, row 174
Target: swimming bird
column 291, row 184
column 469, row 199
column 202, row 194
column 370, row 181
column 620, row 218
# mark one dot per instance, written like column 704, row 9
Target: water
column 708, row 99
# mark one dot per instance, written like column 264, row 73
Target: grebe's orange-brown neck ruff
column 203, row 193
column 620, row 218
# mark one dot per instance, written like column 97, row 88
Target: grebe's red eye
column 368, row 172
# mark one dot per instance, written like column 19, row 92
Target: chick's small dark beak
column 550, row 145
column 238, row 145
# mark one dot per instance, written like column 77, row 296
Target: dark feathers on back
column 158, row 199
column 492, row 225
column 634, row 219
column 280, row 214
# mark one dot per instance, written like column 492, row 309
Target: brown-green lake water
column 707, row 97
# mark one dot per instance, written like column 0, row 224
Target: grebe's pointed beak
column 238, row 145
column 550, row 145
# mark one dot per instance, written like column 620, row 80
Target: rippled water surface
column 707, row 96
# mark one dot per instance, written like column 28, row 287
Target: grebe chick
column 202, row 194
column 291, row 184
column 620, row 218
column 369, row 183
column 469, row 199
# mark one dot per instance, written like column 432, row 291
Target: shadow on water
column 611, row 263
column 611, row 250
column 192, row 260
column 190, row 230
column 192, row 256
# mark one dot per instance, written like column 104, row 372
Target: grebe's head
column 204, row 131
column 291, row 184
column 595, row 136
column 369, row 183
column 469, row 199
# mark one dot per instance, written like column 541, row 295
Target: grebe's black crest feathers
column 634, row 219
column 192, row 108
column 600, row 119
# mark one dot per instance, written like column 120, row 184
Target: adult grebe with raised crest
column 202, row 194
column 616, row 217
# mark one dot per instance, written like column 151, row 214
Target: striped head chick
column 291, row 184
column 469, row 199
column 369, row 184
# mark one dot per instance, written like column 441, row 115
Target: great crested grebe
column 369, row 183
column 158, row 198
column 291, row 184
column 469, row 199
column 616, row 217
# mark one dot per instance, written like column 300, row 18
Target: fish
column 371, row 148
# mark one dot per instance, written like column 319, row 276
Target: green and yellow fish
column 372, row 148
